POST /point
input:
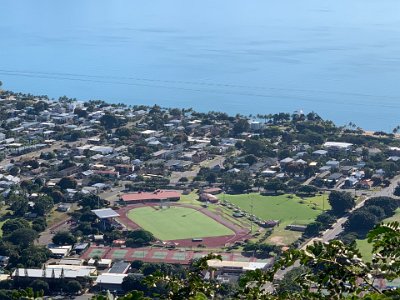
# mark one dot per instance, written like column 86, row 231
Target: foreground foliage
column 331, row 270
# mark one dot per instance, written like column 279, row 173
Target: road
column 337, row 228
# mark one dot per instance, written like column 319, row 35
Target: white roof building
column 53, row 272
column 236, row 265
column 105, row 213
column 102, row 149
column 338, row 145
column 110, row 278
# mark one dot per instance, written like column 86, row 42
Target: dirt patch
column 278, row 240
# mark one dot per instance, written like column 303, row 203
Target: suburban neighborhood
column 97, row 196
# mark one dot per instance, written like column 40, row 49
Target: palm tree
column 396, row 129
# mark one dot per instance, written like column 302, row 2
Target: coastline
column 203, row 109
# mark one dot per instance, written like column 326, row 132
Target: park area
column 288, row 209
column 365, row 247
column 176, row 222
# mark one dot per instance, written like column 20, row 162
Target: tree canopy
column 64, row 238
column 67, row 183
column 341, row 202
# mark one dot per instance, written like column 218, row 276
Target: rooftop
column 52, row 273
column 245, row 266
column 119, row 267
column 337, row 145
column 111, row 278
column 105, row 213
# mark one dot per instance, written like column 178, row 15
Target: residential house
column 334, row 164
column 338, row 146
column 320, row 152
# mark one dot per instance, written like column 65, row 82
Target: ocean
column 339, row 58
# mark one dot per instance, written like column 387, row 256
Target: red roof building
column 159, row 195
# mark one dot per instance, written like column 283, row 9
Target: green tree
column 40, row 285
column 64, row 238
column 73, row 287
column 34, row 256
column 138, row 238
column 67, row 183
column 81, row 113
column 388, row 204
column 18, row 204
column 361, row 220
column 180, row 138
column 22, row 237
column 288, row 284
column 124, row 132
column 43, row 205
column 275, row 185
column 341, row 202
column 250, row 159
column 109, row 121
column 376, row 211
column 313, row 229
column 255, row 147
column 307, row 190
column 133, row 283
column 40, row 106
column 13, row 224
column 39, row 224
column 135, row 295
column 91, row 201
column 397, row 191
column 57, row 196
column 241, row 125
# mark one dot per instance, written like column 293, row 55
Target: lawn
column 177, row 223
column 191, row 198
column 283, row 208
column 288, row 209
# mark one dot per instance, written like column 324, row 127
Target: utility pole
column 251, row 222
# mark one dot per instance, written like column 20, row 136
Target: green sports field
column 288, row 209
column 284, row 207
column 177, row 223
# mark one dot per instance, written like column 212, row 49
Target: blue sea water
column 340, row 58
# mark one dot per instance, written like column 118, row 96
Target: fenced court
column 139, row 254
column 96, row 252
column 179, row 256
column 158, row 255
column 119, row 254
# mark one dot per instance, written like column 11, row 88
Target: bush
column 40, row 285
column 73, row 287
column 64, row 238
